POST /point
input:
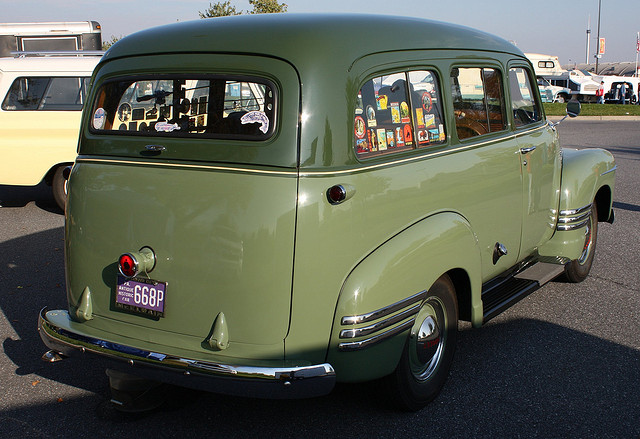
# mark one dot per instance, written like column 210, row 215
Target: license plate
column 142, row 296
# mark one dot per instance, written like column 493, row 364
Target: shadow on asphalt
column 20, row 196
column 626, row 206
column 522, row 376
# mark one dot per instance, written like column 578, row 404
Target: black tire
column 578, row 270
column 562, row 98
column 428, row 353
column 59, row 187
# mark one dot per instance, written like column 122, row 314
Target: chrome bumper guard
column 260, row 382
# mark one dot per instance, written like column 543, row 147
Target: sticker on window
column 166, row 127
column 99, row 117
column 398, row 112
column 256, row 116
column 183, row 106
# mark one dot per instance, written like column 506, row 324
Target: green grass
column 594, row 109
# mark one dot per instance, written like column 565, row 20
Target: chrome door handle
column 526, row 150
column 155, row 148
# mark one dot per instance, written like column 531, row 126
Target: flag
column 638, row 42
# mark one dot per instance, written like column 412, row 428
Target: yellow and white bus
column 38, row 37
column 41, row 98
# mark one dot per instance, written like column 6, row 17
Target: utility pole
column 598, row 37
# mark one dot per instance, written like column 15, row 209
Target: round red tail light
column 337, row 194
column 127, row 265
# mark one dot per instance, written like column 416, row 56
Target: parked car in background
column 614, row 94
column 612, row 88
column 583, row 85
column 553, row 93
column 41, row 104
column 256, row 220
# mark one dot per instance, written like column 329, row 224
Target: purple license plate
column 142, row 296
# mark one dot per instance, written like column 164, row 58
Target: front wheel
column 578, row 270
column 428, row 352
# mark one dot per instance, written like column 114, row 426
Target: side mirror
column 573, row 107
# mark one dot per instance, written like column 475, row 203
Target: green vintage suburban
column 268, row 205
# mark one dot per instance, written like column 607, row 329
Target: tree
column 111, row 42
column 219, row 9
column 224, row 9
column 267, row 7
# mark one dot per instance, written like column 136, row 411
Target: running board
column 502, row 293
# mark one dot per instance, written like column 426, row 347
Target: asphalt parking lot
column 564, row 362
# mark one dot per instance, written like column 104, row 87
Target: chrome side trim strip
column 574, row 219
column 609, row 171
column 397, row 317
column 367, row 330
column 382, row 312
column 580, row 217
column 351, row 170
column 422, row 157
column 358, row 345
column 567, row 227
column 575, row 211
column 186, row 165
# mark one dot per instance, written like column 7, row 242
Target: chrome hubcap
column 427, row 339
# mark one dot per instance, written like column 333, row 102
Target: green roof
column 299, row 38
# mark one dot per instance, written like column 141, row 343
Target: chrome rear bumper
column 260, row 382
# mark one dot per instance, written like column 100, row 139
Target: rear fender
column 401, row 268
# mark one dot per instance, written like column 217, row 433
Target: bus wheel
column 59, row 187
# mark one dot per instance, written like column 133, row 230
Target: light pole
column 598, row 37
column 588, row 37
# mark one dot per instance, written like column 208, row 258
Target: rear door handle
column 526, row 150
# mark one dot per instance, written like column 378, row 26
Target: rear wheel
column 59, row 187
column 428, row 353
column 578, row 270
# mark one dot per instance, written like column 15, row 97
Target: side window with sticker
column 398, row 112
column 183, row 107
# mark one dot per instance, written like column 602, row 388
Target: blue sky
column 543, row 26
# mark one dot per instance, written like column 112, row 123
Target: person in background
column 623, row 92
column 600, row 93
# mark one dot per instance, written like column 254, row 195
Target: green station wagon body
column 297, row 200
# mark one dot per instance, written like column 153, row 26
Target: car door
column 541, row 161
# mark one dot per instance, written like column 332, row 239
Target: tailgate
column 223, row 239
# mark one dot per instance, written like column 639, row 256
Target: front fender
column 389, row 281
column 588, row 175
column 584, row 172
